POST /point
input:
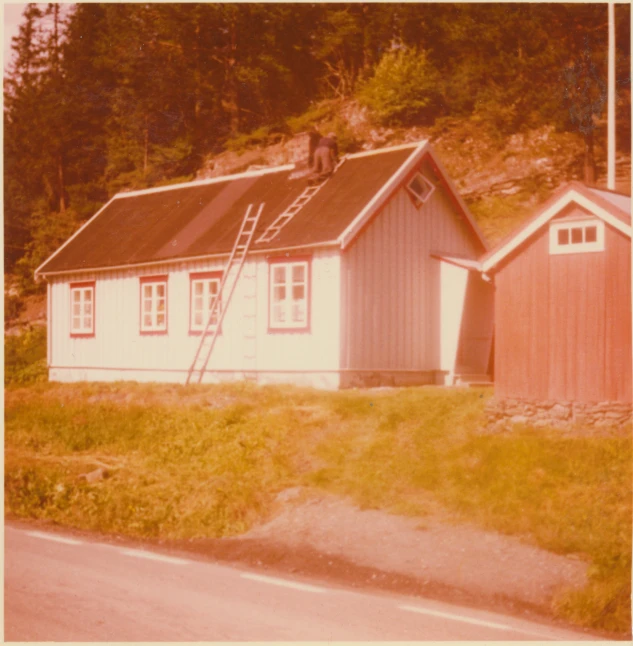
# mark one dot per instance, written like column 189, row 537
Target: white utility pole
column 611, row 102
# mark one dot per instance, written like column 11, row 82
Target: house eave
column 187, row 259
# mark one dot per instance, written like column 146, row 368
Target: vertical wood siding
column 119, row 345
column 563, row 323
column 391, row 285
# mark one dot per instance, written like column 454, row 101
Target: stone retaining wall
column 507, row 412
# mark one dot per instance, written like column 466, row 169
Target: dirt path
column 455, row 560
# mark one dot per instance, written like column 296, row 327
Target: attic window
column 420, row 189
column 576, row 237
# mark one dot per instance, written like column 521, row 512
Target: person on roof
column 325, row 157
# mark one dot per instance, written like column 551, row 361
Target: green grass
column 209, row 461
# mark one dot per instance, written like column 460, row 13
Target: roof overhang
column 465, row 263
column 576, row 193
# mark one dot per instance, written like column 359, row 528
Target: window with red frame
column 205, row 289
column 82, row 304
column 154, row 304
column 289, row 291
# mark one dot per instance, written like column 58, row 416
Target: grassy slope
column 209, row 461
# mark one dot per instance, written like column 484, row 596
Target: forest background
column 104, row 97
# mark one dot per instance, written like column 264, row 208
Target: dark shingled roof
column 204, row 218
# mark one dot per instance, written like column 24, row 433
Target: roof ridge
column 255, row 173
column 388, row 149
column 204, row 182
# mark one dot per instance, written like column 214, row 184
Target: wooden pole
column 611, row 102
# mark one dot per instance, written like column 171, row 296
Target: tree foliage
column 100, row 97
column 404, row 89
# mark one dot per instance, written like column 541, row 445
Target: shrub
column 404, row 89
column 13, row 306
column 25, row 357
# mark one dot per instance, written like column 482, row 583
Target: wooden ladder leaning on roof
column 283, row 219
column 217, row 311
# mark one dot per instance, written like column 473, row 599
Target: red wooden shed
column 563, row 301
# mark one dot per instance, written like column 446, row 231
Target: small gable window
column 82, row 309
column 154, row 305
column 576, row 237
column 289, row 293
column 420, row 188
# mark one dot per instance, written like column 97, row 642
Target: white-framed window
column 289, row 294
column 205, row 289
column 421, row 188
column 154, row 304
column 577, row 236
column 82, row 309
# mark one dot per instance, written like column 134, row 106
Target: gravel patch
column 482, row 563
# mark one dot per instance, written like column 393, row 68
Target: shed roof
column 202, row 218
column 613, row 208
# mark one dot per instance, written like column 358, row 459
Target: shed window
column 420, row 189
column 289, row 295
column 82, row 309
column 205, row 290
column 154, row 304
column 576, row 237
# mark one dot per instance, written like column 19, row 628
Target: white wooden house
column 368, row 283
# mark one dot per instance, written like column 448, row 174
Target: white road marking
column 448, row 615
column 53, row 537
column 477, row 622
column 151, row 556
column 282, row 582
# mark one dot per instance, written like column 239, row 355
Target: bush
column 25, row 357
column 13, row 307
column 404, row 89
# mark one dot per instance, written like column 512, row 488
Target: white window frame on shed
column 420, row 196
column 153, row 304
column 82, row 309
column 204, row 287
column 287, row 312
column 575, row 236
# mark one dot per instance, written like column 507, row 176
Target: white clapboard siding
column 119, row 351
column 391, row 284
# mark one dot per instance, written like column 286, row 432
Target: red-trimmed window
column 289, row 306
column 153, row 304
column 205, row 288
column 82, row 309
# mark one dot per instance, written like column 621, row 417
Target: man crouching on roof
column 325, row 157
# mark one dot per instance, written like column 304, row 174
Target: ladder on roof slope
column 216, row 311
column 280, row 222
column 289, row 213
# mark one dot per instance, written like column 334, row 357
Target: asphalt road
column 59, row 587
